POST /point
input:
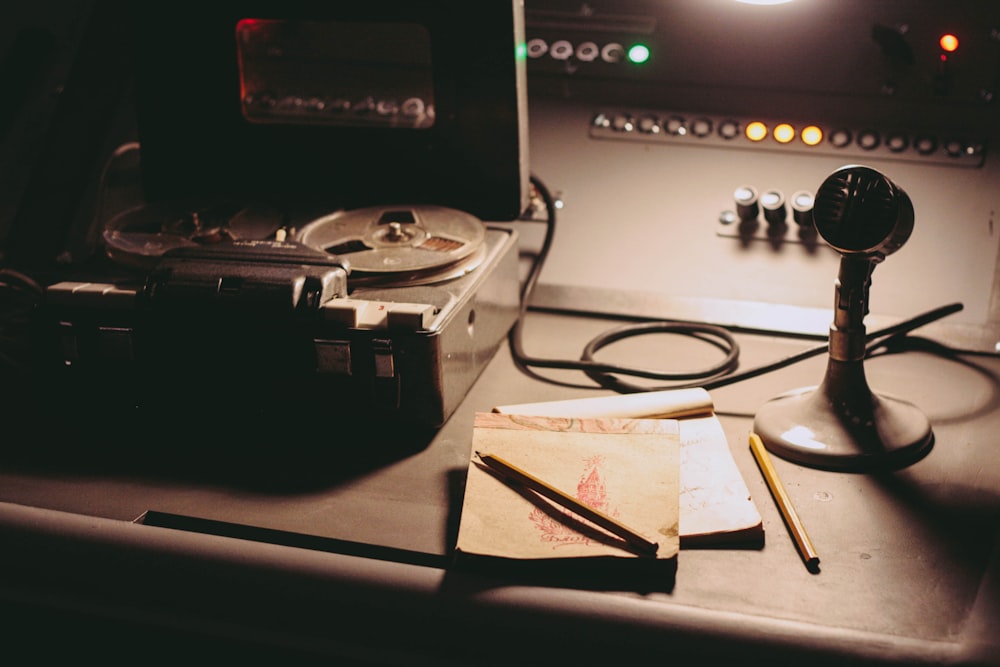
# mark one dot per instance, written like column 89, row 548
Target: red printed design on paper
column 590, row 490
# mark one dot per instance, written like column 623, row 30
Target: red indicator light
column 948, row 43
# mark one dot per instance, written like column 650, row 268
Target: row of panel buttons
column 412, row 111
column 782, row 135
column 563, row 49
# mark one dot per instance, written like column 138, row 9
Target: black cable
column 715, row 335
column 19, row 296
column 877, row 339
column 600, row 372
column 718, row 375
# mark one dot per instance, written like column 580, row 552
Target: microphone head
column 858, row 211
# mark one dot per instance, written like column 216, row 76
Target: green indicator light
column 520, row 51
column 638, row 53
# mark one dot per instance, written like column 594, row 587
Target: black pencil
column 512, row 473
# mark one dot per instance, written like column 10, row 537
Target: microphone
column 841, row 424
column 858, row 211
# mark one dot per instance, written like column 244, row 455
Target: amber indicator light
column 812, row 135
column 784, row 133
column 756, row 131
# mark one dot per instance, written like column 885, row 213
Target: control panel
column 686, row 139
column 916, row 51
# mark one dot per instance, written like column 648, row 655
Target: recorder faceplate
column 278, row 325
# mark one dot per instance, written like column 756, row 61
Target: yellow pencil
column 802, row 541
column 511, row 473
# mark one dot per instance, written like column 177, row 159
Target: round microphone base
column 841, row 425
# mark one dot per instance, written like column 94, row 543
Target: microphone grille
column 858, row 210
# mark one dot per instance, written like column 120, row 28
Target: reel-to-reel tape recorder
column 219, row 291
column 391, row 310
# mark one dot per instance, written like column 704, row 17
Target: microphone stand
column 842, row 424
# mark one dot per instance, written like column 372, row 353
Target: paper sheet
column 628, row 469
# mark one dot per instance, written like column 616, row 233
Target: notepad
column 626, row 468
column 716, row 508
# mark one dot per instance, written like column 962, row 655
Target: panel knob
column 747, row 206
column 802, row 208
column 775, row 211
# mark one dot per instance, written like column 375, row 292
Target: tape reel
column 138, row 236
column 382, row 245
column 400, row 244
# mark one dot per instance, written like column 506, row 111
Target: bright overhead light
column 764, row 2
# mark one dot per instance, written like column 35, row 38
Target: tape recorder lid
column 197, row 138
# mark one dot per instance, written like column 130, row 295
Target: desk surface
column 910, row 565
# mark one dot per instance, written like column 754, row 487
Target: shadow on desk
column 294, row 446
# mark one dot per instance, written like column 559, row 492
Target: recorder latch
column 386, row 385
column 382, row 351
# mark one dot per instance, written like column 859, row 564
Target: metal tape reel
column 400, row 244
column 138, row 236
